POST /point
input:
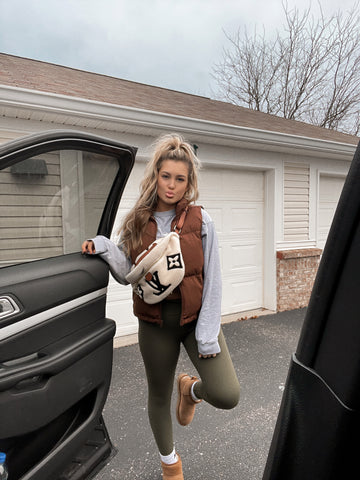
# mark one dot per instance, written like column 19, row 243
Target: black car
column 56, row 344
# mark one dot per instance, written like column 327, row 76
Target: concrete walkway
column 230, row 445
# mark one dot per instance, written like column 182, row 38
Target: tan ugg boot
column 185, row 408
column 174, row 471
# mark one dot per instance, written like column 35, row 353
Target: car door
column 56, row 189
column 317, row 431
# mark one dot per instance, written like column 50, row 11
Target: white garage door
column 329, row 193
column 235, row 201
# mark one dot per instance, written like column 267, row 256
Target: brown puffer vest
column 191, row 247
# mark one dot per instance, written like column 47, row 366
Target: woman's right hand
column 88, row 247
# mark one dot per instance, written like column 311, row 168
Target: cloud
column 156, row 42
column 169, row 43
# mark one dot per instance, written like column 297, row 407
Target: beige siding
column 31, row 214
column 296, row 201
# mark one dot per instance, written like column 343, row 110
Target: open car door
column 56, row 190
column 317, row 432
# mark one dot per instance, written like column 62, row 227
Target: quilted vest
column 191, row 286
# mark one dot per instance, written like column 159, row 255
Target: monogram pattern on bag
column 173, row 261
column 156, row 285
column 140, row 291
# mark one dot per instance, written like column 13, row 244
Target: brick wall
column 296, row 271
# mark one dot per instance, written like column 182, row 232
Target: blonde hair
column 167, row 147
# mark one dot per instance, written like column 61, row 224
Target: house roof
column 47, row 77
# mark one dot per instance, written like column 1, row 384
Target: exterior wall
column 296, row 271
column 291, row 168
column 305, row 227
column 232, row 163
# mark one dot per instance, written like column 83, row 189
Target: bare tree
column 310, row 71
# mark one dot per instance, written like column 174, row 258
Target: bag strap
column 146, row 252
column 178, row 227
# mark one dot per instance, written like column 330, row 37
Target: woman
column 191, row 314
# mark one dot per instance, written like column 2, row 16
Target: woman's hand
column 213, row 355
column 88, row 247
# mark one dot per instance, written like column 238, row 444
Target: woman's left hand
column 207, row 356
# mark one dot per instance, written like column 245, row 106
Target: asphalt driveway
column 231, row 445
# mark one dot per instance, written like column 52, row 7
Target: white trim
column 313, row 203
column 41, row 317
column 295, row 245
column 269, row 257
column 117, row 117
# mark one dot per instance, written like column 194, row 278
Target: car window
column 51, row 202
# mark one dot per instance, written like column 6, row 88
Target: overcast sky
column 167, row 43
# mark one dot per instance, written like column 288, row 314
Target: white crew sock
column 169, row 459
column 193, row 396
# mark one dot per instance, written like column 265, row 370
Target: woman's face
column 172, row 184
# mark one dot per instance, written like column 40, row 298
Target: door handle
column 8, row 307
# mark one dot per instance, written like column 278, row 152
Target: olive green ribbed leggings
column 160, row 348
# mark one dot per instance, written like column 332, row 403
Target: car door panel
column 47, row 283
column 56, row 343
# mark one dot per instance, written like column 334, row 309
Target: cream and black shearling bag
column 160, row 268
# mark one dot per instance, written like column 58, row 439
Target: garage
column 246, row 158
column 234, row 198
column 330, row 188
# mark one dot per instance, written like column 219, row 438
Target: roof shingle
column 47, row 77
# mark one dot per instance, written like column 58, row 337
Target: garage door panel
column 246, row 219
column 330, row 188
column 250, row 185
column 243, row 257
column 223, row 182
column 240, row 255
column 211, row 183
column 327, row 214
column 241, row 296
column 329, row 193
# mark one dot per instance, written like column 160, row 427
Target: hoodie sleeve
column 118, row 262
column 208, row 324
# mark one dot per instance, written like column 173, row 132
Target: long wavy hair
column 167, row 147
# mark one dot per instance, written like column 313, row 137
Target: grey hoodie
column 208, row 323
